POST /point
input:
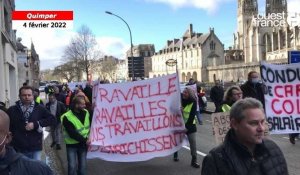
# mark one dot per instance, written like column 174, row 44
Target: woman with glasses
column 232, row 94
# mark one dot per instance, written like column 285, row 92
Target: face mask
column 1, row 144
column 254, row 80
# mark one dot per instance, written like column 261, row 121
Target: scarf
column 26, row 111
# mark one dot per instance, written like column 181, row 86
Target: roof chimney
column 191, row 30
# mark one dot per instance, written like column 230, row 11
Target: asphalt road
column 167, row 166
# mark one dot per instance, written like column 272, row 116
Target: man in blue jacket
column 27, row 121
column 12, row 163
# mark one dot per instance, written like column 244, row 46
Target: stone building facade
column 23, row 63
column 193, row 52
column 8, row 57
column 254, row 43
column 28, row 65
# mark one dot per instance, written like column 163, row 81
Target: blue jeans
column 199, row 118
column 75, row 155
column 37, row 155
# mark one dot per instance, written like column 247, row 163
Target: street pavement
column 166, row 165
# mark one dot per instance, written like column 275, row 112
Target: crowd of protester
column 69, row 113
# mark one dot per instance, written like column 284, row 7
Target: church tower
column 246, row 10
column 276, row 6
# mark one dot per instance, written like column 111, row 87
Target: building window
column 212, row 45
column 6, row 21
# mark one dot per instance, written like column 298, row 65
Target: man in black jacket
column 253, row 88
column 12, row 163
column 216, row 95
column 27, row 121
column 57, row 109
column 245, row 150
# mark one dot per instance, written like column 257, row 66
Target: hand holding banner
column 137, row 121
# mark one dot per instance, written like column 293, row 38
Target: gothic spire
column 250, row 7
column 276, row 6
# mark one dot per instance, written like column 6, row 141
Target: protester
column 88, row 104
column 200, row 103
column 88, row 91
column 59, row 95
column 76, row 128
column 189, row 106
column 12, row 163
column 202, row 100
column 216, row 95
column 27, row 119
column 57, row 109
column 232, row 94
column 191, row 82
column 253, row 88
column 68, row 98
column 48, row 89
column 37, row 98
column 245, row 150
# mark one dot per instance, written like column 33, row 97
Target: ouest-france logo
column 282, row 19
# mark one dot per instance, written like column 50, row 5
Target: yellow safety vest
column 226, row 108
column 186, row 113
column 38, row 100
column 82, row 129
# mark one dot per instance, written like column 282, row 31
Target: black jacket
column 216, row 94
column 232, row 158
column 88, row 91
column 15, row 164
column 28, row 141
column 254, row 91
column 61, row 97
column 60, row 110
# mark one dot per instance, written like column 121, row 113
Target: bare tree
column 108, row 67
column 82, row 51
column 66, row 71
column 47, row 75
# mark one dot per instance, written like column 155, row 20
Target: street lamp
column 171, row 62
column 110, row 13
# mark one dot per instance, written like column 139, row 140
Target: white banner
column 137, row 121
column 72, row 85
column 282, row 98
